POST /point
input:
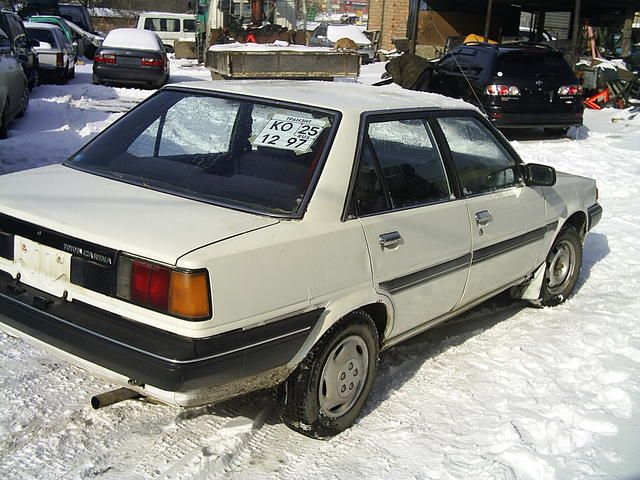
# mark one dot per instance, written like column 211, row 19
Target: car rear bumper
column 532, row 120
column 145, row 355
column 128, row 75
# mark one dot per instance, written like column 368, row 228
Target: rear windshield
column 241, row 153
column 42, row 36
column 520, row 64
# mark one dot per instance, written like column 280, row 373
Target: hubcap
column 560, row 267
column 343, row 376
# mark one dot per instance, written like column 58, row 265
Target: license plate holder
column 42, row 267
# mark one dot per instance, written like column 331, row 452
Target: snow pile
column 277, row 46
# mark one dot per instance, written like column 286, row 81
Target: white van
column 169, row 26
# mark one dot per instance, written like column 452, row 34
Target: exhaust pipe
column 114, row 396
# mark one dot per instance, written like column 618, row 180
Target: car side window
column 189, row 26
column 481, row 162
column 4, row 41
column 400, row 168
column 149, row 24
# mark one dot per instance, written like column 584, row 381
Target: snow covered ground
column 505, row 392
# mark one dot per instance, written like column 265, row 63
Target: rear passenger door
column 508, row 220
column 416, row 229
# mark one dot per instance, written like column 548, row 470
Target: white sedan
column 224, row 237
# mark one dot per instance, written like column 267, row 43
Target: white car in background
column 169, row 27
column 224, row 237
column 56, row 56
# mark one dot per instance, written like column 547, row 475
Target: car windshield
column 242, row 153
column 524, row 64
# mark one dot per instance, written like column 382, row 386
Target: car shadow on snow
column 399, row 364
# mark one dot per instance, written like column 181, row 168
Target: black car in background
column 518, row 86
column 21, row 45
column 132, row 58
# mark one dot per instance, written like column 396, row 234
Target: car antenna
column 460, row 68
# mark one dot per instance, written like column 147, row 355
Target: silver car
column 14, row 88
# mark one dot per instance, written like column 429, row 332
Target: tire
column 95, row 80
column 62, row 77
column 327, row 391
column 25, row 102
column 563, row 264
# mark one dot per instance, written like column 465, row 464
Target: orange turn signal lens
column 189, row 295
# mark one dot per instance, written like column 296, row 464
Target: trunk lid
column 117, row 215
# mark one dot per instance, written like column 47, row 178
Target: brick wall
column 390, row 17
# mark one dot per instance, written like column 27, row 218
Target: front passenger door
column 507, row 218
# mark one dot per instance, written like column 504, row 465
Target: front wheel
column 326, row 393
column 562, row 268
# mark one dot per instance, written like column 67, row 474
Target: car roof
column 352, row 98
column 132, row 39
column 511, row 48
column 168, row 15
column 41, row 26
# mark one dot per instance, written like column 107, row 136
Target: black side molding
column 431, row 273
column 505, row 246
column 595, row 214
column 427, row 274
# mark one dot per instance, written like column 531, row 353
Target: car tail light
column 104, row 59
column 181, row 293
column 59, row 59
column 570, row 90
column 152, row 62
column 502, row 91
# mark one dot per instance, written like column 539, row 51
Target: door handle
column 390, row 240
column 483, row 217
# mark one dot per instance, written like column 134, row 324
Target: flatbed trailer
column 281, row 63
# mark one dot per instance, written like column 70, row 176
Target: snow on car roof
column 336, row 32
column 352, row 98
column 132, row 38
column 169, row 14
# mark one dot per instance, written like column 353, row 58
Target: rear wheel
column 326, row 393
column 562, row 268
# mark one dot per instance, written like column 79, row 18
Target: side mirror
column 536, row 175
column 34, row 42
